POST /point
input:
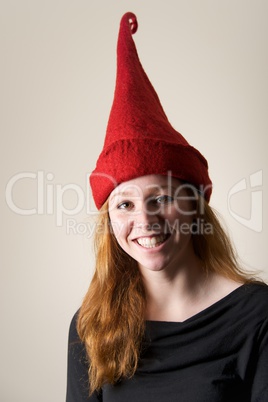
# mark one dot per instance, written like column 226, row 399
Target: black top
column 219, row 354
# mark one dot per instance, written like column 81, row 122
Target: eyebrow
column 154, row 188
column 122, row 194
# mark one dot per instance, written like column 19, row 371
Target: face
column 151, row 219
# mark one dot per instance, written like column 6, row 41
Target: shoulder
column 254, row 298
column 257, row 291
column 76, row 348
column 77, row 373
column 73, row 334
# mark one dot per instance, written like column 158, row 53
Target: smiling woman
column 169, row 314
column 146, row 223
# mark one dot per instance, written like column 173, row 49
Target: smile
column 151, row 242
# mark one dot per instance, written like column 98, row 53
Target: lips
column 152, row 241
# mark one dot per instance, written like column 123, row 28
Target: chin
column 152, row 266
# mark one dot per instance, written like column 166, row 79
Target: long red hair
column 111, row 320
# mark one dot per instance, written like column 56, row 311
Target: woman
column 169, row 314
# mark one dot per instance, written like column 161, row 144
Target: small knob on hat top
column 133, row 23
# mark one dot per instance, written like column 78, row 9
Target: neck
column 172, row 294
column 184, row 294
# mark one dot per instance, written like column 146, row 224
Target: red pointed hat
column 139, row 138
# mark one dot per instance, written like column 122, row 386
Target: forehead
column 144, row 184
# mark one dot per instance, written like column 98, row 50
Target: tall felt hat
column 139, row 138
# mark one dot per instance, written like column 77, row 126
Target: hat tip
column 131, row 19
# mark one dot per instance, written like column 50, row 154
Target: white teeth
column 150, row 242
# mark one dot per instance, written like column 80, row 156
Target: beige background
column 208, row 61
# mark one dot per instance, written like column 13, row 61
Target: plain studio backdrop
column 208, row 61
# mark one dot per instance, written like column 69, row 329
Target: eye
column 126, row 205
column 164, row 199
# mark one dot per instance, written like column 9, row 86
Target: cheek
column 119, row 227
column 184, row 211
column 180, row 224
column 181, row 212
column 121, row 234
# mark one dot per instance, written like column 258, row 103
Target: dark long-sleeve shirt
column 218, row 355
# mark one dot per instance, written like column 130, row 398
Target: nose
column 146, row 220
